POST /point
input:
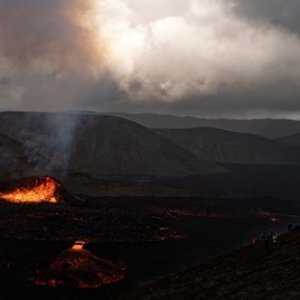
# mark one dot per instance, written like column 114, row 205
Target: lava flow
column 42, row 189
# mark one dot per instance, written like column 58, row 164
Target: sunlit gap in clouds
column 125, row 41
column 204, row 49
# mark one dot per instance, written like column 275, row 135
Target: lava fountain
column 78, row 246
column 38, row 190
column 80, row 269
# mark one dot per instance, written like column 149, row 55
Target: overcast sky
column 231, row 58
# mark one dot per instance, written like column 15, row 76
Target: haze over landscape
column 141, row 142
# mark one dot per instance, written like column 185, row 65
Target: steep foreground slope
column 231, row 147
column 262, row 271
column 99, row 146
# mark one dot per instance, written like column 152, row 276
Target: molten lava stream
column 42, row 190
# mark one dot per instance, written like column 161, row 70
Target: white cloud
column 201, row 49
column 57, row 55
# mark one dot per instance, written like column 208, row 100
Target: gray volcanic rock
column 99, row 146
column 231, row 147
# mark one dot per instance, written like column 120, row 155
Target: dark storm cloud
column 283, row 13
column 214, row 58
column 205, row 57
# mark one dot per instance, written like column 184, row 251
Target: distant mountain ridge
column 99, row 146
column 231, row 147
column 113, row 146
column 271, row 128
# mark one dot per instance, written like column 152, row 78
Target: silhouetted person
column 271, row 241
column 264, row 236
column 274, row 238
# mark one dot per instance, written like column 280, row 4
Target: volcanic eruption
column 79, row 268
column 37, row 190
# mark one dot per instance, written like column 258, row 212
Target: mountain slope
column 293, row 140
column 13, row 160
column 263, row 271
column 231, row 147
column 271, row 128
column 99, row 146
column 113, row 146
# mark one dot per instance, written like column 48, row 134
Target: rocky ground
column 265, row 270
column 153, row 237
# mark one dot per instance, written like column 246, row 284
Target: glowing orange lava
column 41, row 190
column 78, row 246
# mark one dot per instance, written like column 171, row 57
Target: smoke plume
column 50, row 51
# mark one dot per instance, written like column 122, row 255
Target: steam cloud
column 50, row 53
column 188, row 56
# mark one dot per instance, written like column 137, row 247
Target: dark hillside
column 271, row 128
column 232, row 147
column 98, row 146
column 262, row 271
column 13, row 160
column 292, row 140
